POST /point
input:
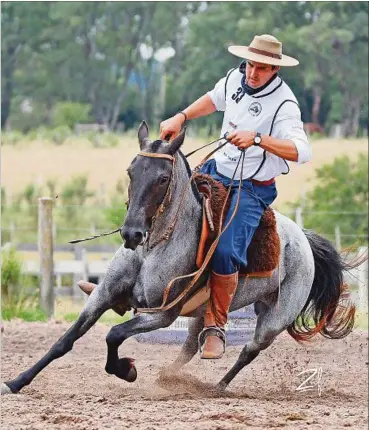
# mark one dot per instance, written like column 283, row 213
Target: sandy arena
column 74, row 392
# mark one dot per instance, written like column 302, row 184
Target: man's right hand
column 171, row 127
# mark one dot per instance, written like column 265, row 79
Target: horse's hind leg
column 94, row 308
column 267, row 329
column 189, row 348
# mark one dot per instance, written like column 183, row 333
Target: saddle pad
column 264, row 250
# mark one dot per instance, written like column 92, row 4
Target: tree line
column 114, row 63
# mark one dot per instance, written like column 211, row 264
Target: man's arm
column 289, row 140
column 284, row 148
column 201, row 107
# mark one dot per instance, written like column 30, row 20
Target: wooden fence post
column 45, row 247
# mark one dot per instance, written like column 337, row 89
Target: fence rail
column 94, row 270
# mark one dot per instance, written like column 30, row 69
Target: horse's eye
column 163, row 180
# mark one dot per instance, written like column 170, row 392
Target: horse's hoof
column 5, row 389
column 125, row 369
column 220, row 388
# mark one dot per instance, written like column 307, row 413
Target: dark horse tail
column 328, row 309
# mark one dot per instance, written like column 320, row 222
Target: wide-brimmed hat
column 264, row 49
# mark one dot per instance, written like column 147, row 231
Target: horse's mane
column 189, row 172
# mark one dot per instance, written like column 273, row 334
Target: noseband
column 166, row 200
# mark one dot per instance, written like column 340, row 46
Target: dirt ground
column 74, row 392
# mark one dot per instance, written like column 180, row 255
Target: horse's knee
column 61, row 347
column 115, row 336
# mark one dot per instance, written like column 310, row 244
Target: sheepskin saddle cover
column 264, row 250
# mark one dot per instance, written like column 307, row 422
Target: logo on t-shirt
column 255, row 109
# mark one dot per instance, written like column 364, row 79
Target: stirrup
column 211, row 331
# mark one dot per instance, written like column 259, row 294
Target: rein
column 167, row 234
column 167, row 195
column 200, row 271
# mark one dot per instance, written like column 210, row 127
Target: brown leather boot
column 212, row 338
column 88, row 287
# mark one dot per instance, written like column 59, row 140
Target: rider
column 262, row 116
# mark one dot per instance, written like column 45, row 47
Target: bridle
column 167, row 196
column 169, row 230
column 196, row 275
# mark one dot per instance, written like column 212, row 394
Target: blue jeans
column 231, row 252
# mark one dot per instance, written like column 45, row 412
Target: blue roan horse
column 305, row 295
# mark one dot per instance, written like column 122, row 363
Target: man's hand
column 171, row 127
column 241, row 138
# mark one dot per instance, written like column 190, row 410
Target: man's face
column 257, row 74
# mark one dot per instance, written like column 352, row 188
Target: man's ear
column 143, row 133
column 177, row 142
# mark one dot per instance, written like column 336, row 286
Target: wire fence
column 343, row 228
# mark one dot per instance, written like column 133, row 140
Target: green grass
column 109, row 318
column 30, row 315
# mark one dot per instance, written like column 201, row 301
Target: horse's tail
column 328, row 309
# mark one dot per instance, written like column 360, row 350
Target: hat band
column 266, row 53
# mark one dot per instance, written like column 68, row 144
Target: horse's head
column 150, row 181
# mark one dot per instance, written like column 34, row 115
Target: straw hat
column 264, row 49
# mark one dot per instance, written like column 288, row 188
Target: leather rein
column 169, row 230
column 196, row 275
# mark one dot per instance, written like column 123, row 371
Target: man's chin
column 253, row 85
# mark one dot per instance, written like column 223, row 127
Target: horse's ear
column 177, row 142
column 143, row 133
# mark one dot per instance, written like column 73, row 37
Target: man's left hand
column 241, row 138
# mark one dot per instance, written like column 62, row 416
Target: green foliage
column 75, row 192
column 30, row 315
column 11, row 271
column 342, row 198
column 19, row 293
column 97, row 64
column 11, row 137
column 69, row 113
column 59, row 134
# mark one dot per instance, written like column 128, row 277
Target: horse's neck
column 190, row 211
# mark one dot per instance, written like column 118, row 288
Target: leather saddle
column 262, row 254
column 264, row 250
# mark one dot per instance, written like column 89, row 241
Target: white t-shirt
column 256, row 113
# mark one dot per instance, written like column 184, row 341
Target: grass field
column 36, row 162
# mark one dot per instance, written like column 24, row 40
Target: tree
column 340, row 199
column 22, row 25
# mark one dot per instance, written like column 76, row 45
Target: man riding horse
column 262, row 117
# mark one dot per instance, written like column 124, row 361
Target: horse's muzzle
column 132, row 237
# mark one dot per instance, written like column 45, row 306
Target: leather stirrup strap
column 199, row 272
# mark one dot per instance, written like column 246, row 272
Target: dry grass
column 36, row 162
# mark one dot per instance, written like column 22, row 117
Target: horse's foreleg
column 143, row 323
column 189, row 348
column 92, row 311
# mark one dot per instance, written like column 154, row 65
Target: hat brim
column 243, row 52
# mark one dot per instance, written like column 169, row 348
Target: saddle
column 264, row 250
column 262, row 254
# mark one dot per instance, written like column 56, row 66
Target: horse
column 305, row 295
